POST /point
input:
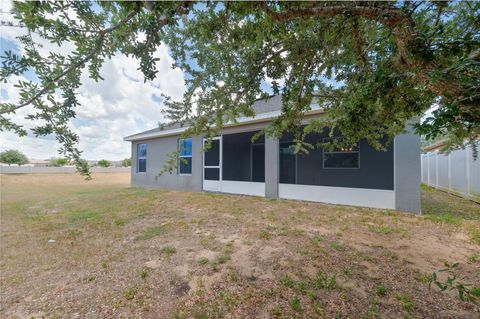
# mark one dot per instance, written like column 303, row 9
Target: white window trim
column 184, row 156
column 141, row 157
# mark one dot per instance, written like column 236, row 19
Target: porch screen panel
column 212, row 155
column 288, row 163
column 258, row 163
column 375, row 168
column 243, row 160
column 212, row 174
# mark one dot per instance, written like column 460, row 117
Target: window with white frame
column 141, row 158
column 185, row 156
column 341, row 157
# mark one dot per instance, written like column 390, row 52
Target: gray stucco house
column 359, row 175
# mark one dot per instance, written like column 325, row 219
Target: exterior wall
column 375, row 170
column 400, row 168
column 271, row 167
column 407, row 171
column 158, row 151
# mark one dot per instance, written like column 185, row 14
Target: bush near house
column 13, row 157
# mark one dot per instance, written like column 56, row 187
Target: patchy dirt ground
column 99, row 249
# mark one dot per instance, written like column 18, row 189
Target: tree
column 13, row 157
column 103, row 163
column 57, row 162
column 371, row 65
column 127, row 162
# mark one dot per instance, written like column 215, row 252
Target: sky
column 119, row 106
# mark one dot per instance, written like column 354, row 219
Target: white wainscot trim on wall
column 211, row 186
column 376, row 198
column 243, row 188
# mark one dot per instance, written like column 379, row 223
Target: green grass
column 405, row 301
column 287, row 281
column 445, row 218
column 474, row 258
column 442, row 207
column 265, row 234
column 119, row 222
column 474, row 233
column 223, row 259
column 84, row 216
column 130, row 293
column 382, row 229
column 203, row 261
column 337, row 246
column 151, row 232
column 169, row 250
column 381, row 291
column 295, row 304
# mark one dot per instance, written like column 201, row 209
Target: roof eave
column 260, row 118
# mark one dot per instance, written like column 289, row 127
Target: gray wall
column 158, row 151
column 271, row 167
column 407, row 171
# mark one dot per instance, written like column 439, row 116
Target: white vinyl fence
column 57, row 170
column 455, row 172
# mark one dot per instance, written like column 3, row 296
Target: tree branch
column 390, row 16
column 358, row 43
column 73, row 66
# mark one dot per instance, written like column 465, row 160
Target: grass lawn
column 72, row 248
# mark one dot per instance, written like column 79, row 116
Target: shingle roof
column 274, row 103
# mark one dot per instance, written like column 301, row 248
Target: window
column 185, row 156
column 341, row 157
column 141, row 158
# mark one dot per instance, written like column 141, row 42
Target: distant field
column 100, row 249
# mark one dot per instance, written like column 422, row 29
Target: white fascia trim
column 262, row 117
column 375, row 198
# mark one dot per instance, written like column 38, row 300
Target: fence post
column 467, row 169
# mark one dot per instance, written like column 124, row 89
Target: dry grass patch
column 102, row 249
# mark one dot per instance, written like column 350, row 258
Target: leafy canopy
column 371, row 66
column 13, row 157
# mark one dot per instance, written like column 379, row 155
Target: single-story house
column 269, row 167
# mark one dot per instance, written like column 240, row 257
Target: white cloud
column 120, row 105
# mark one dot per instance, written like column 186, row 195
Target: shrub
column 127, row 162
column 57, row 162
column 104, row 163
